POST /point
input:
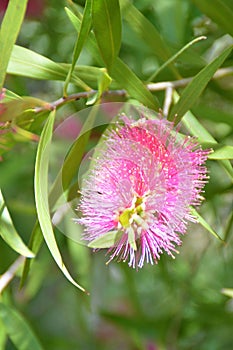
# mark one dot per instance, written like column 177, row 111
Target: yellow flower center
column 133, row 213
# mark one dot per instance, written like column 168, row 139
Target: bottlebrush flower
column 136, row 199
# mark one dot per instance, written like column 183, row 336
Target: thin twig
column 166, row 85
column 221, row 73
column 175, row 56
column 10, row 273
column 63, row 100
column 167, row 100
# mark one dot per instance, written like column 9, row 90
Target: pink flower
column 136, row 199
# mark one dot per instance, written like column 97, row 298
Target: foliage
column 168, row 55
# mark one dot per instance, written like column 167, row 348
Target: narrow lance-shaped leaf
column 222, row 152
column 41, row 195
column 227, row 167
column 84, row 30
column 18, row 329
column 196, row 129
column 123, row 75
column 61, row 183
column 14, row 107
column 3, row 335
column 194, row 89
column 75, row 155
column 9, row 31
column 174, row 57
column 32, row 65
column 228, row 228
column 72, row 161
column 134, row 86
column 35, row 243
column 210, row 112
column 106, row 19
column 205, row 224
column 27, row 63
column 91, row 41
column 9, row 233
column 106, row 241
column 104, row 81
column 147, row 32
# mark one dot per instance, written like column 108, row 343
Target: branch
column 221, row 73
column 10, row 273
column 166, row 85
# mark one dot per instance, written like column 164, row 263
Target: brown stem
column 166, row 85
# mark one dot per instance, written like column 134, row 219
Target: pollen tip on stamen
column 108, row 262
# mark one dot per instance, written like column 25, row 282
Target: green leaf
column 215, row 114
column 147, row 32
column 3, row 335
column 35, row 66
column 18, row 329
column 133, row 85
column 27, row 63
column 194, row 89
column 73, row 159
column 84, row 30
column 61, row 183
column 228, row 227
column 32, row 65
column 35, row 243
column 79, row 253
column 74, row 18
column 222, row 152
column 123, row 75
column 226, row 164
column 91, row 41
column 9, row 233
column 205, row 224
column 196, row 129
column 107, row 240
column 106, row 19
column 103, row 83
column 15, row 107
column 9, row 31
column 75, row 156
column 10, row 95
column 93, row 76
column 174, row 57
column 41, row 195
column 218, row 11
